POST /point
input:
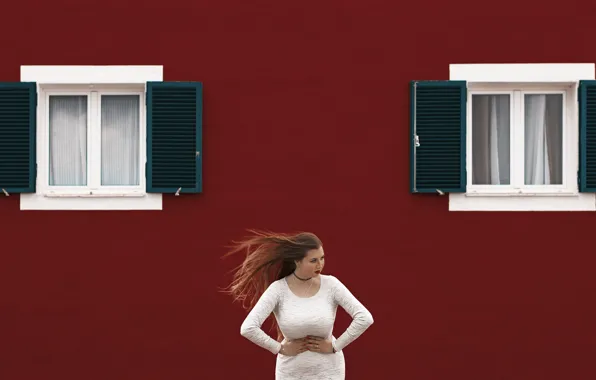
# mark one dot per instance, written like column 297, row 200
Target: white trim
column 91, row 74
column 106, row 79
column 522, row 72
column 528, row 78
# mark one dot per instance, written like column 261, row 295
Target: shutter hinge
column 198, row 154
column 416, row 141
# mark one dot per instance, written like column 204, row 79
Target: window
column 516, row 140
column 95, row 139
column 507, row 137
column 99, row 137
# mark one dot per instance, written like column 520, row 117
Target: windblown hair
column 269, row 257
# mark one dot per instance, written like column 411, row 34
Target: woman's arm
column 251, row 327
column 361, row 317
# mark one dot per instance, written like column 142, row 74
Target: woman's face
column 312, row 264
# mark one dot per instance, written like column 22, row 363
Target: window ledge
column 93, row 194
column 541, row 202
column 524, row 194
column 95, row 202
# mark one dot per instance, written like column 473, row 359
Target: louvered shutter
column 587, row 136
column 174, row 137
column 438, row 136
column 18, row 104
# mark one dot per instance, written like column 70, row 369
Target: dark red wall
column 306, row 128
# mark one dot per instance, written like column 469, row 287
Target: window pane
column 543, row 118
column 490, row 140
column 68, row 140
column 120, row 140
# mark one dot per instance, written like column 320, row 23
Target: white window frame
column 526, row 78
column 93, row 81
column 93, row 187
column 516, row 94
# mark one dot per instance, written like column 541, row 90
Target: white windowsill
column 93, row 195
column 544, row 200
column 42, row 202
column 530, row 191
column 581, row 202
column 79, row 75
column 523, row 194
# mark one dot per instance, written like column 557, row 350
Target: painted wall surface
column 305, row 128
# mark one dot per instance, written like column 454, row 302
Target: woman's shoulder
column 330, row 279
column 277, row 284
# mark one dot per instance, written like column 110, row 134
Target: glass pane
column 543, row 118
column 68, row 140
column 120, row 140
column 490, row 139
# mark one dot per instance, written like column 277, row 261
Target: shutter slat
column 18, row 101
column 438, row 120
column 587, row 136
column 174, row 136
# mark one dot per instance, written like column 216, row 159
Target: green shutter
column 587, row 136
column 18, row 105
column 438, row 136
column 174, row 137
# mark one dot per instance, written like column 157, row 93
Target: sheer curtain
column 490, row 140
column 543, row 139
column 68, row 140
column 120, row 140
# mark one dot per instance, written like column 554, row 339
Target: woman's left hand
column 318, row 344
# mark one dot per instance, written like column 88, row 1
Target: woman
column 303, row 301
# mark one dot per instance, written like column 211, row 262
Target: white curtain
column 68, row 140
column 120, row 140
column 490, row 140
column 543, row 141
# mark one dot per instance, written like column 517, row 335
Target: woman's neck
column 301, row 277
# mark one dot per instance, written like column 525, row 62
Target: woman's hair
column 269, row 257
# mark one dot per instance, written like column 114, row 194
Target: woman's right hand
column 294, row 347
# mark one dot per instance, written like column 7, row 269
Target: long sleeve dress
column 298, row 317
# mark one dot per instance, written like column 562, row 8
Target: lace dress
column 298, row 317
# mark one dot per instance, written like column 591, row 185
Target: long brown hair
column 269, row 257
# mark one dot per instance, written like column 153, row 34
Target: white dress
column 298, row 317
